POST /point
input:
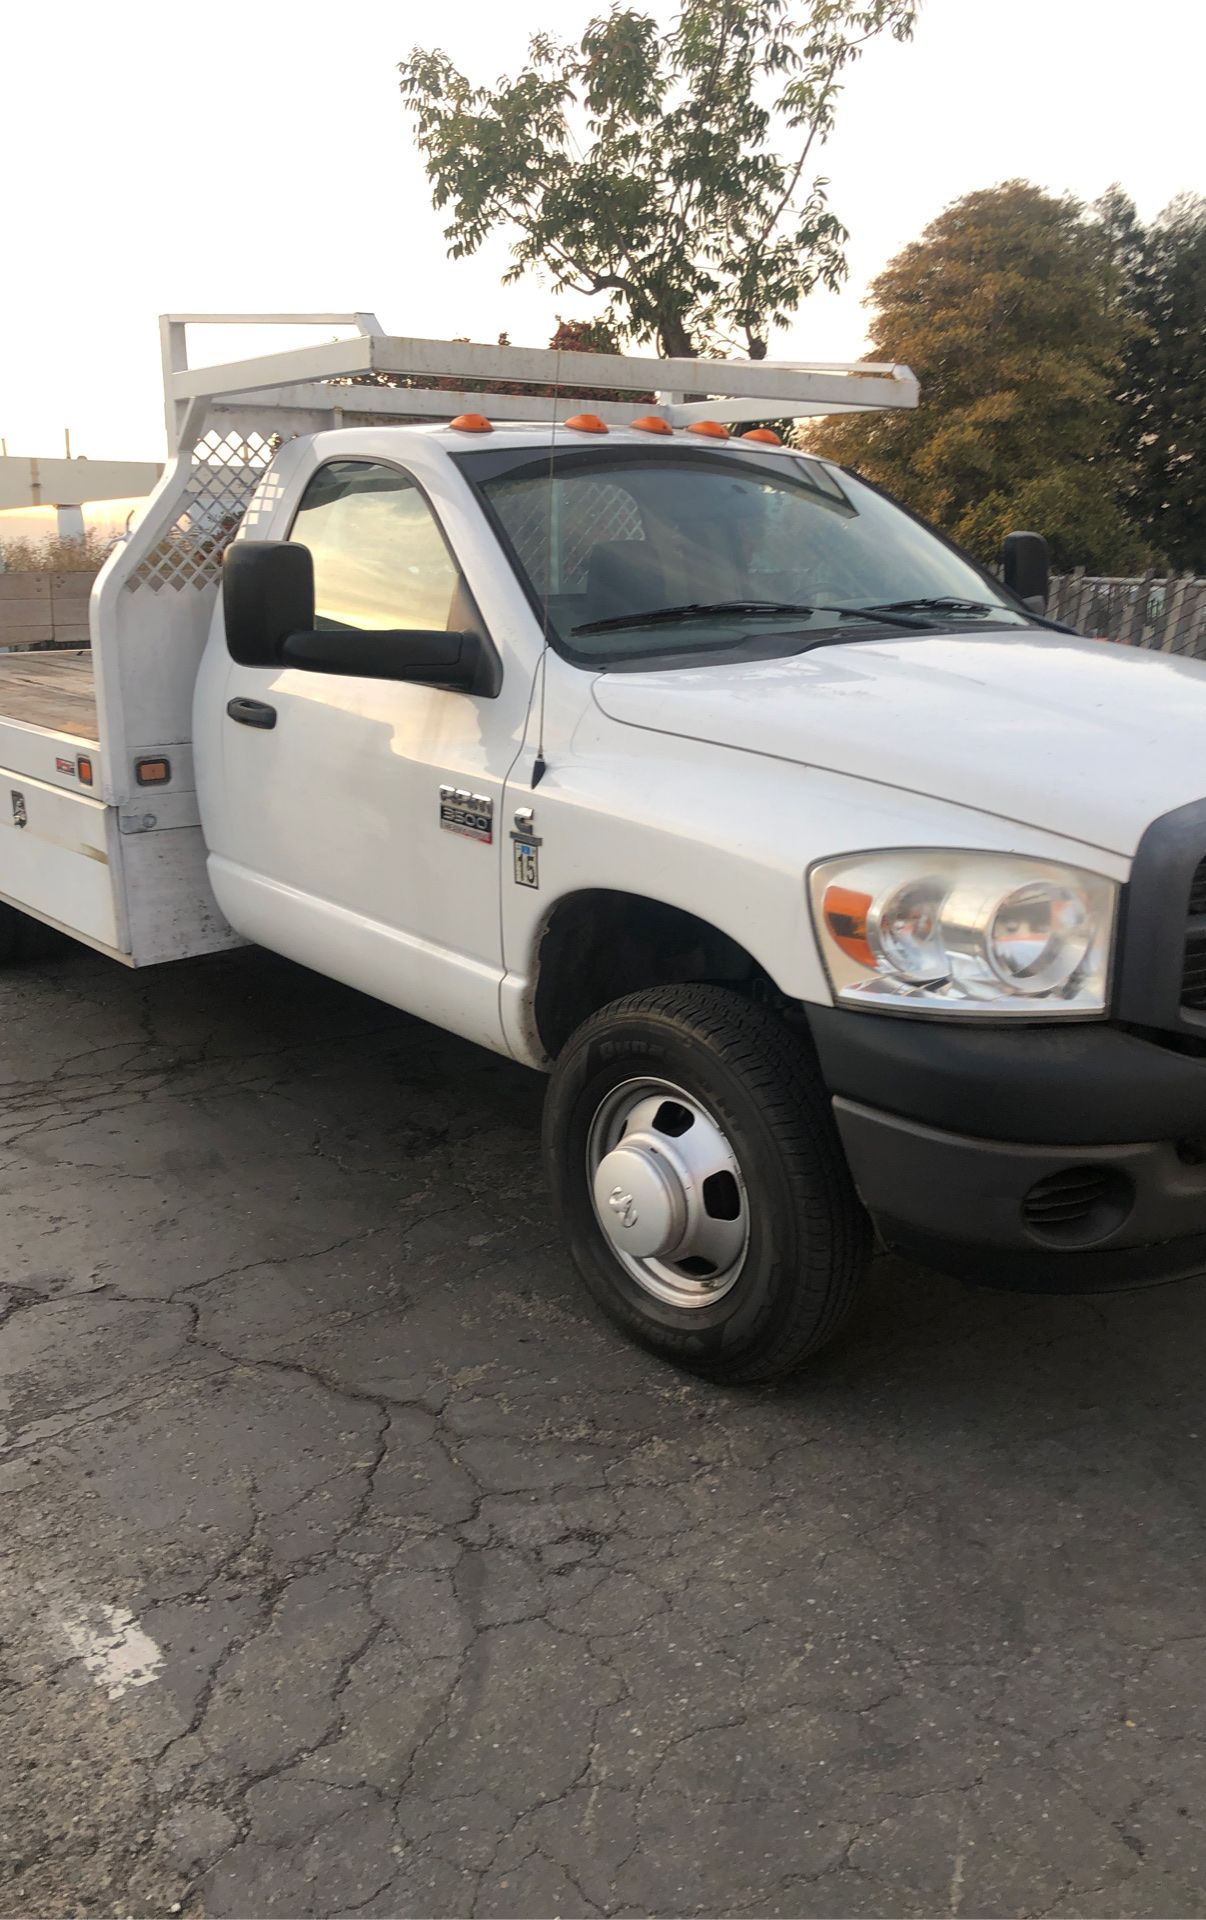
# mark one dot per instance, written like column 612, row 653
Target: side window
column 379, row 558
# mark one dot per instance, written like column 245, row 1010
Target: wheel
column 23, row 938
column 694, row 1160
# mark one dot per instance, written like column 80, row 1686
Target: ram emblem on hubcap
column 621, row 1203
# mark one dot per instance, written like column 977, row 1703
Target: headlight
column 987, row 934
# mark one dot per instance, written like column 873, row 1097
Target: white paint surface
column 113, row 1648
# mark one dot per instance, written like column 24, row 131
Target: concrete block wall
column 44, row 609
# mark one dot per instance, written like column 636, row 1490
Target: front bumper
column 1072, row 1160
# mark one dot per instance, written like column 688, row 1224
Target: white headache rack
column 440, row 378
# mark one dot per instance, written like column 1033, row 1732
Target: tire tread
column 776, row 1065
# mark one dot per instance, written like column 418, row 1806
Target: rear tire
column 10, row 934
column 723, row 1171
column 22, row 938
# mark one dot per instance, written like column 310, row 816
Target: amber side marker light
column 472, row 423
column 712, row 428
column 152, row 773
column 766, row 434
column 652, row 423
column 83, row 768
column 587, row 423
column 846, row 917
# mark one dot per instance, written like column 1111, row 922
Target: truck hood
column 1085, row 739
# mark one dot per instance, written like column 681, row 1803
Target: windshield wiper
column 940, row 603
column 691, row 610
column 950, row 603
column 744, row 609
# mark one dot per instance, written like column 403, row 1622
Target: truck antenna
column 540, row 765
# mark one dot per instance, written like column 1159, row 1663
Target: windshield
column 731, row 551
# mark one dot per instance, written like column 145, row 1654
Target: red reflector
column 152, row 773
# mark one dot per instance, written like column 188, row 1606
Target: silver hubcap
column 668, row 1192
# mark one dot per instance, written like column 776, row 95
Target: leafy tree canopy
column 671, row 172
column 1010, row 310
column 1163, row 386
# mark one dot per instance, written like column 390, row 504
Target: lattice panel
column 590, row 511
column 226, row 472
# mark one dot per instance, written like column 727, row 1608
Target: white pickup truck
column 834, row 888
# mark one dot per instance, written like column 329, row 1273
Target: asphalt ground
column 350, row 1564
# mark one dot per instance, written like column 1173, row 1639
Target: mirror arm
column 367, row 653
column 461, row 661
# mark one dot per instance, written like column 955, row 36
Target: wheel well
column 599, row 945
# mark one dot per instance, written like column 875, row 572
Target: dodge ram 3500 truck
column 835, row 889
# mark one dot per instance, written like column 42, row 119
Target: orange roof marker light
column 472, row 423
column 712, row 428
column 766, row 434
column 587, row 423
column 653, row 423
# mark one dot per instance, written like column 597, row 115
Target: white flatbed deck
column 54, row 690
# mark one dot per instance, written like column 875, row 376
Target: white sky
column 244, row 156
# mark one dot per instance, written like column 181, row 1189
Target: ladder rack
column 295, row 386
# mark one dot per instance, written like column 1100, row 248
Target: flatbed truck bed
column 123, row 872
column 54, row 690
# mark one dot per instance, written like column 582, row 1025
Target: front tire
column 694, row 1160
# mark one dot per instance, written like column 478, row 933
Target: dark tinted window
column 609, row 535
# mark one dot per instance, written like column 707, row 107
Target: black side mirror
column 1026, row 568
column 268, row 605
column 267, row 594
column 433, row 659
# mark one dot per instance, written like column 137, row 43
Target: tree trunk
column 673, row 340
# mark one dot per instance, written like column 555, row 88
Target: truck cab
column 838, row 892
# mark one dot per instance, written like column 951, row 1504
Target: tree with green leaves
column 1163, row 386
column 1009, row 312
column 670, row 172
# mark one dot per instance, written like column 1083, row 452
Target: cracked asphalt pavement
column 350, row 1564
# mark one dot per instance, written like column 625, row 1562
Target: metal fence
column 1166, row 614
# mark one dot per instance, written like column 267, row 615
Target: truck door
column 361, row 826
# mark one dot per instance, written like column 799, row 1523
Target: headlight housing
column 968, row 935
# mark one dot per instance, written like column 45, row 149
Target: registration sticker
column 527, row 861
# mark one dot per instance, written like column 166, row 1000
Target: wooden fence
column 1168, row 615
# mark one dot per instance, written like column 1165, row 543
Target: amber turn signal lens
column 846, row 917
column 653, row 423
column 712, row 428
column 587, row 423
column 152, row 773
column 472, row 423
column 83, row 768
column 766, row 434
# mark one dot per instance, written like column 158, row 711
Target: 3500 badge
column 471, row 814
